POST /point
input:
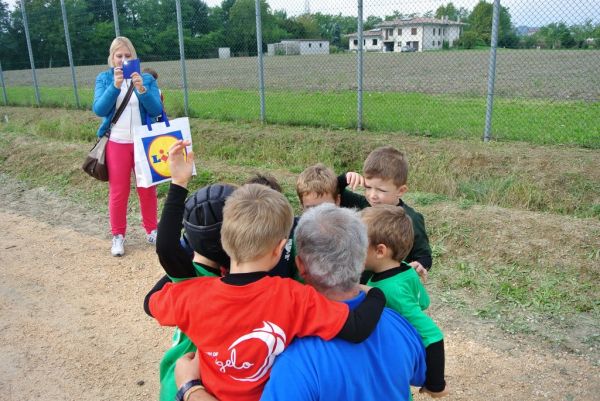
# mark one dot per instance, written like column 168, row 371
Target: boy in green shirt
column 385, row 177
column 391, row 237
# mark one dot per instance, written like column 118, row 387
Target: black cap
column 202, row 220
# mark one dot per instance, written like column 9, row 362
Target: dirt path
column 72, row 325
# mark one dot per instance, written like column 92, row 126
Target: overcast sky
column 523, row 12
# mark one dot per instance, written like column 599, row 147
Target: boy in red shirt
column 242, row 321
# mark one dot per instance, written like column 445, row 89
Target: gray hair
column 332, row 242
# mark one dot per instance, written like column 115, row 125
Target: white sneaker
column 118, row 248
column 151, row 238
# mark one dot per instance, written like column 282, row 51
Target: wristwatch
column 184, row 389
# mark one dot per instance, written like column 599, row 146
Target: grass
column 573, row 123
column 528, row 272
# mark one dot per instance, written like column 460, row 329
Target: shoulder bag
column 95, row 162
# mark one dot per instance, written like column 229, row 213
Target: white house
column 417, row 33
column 298, row 46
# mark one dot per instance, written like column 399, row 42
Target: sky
column 523, row 12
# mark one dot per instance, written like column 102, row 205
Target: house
column 298, row 46
column 419, row 34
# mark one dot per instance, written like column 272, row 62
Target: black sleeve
column 434, row 357
column 362, row 320
column 342, row 182
column 157, row 287
column 425, row 261
column 172, row 256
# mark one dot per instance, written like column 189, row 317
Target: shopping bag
column 151, row 143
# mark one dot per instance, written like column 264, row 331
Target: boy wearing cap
column 241, row 322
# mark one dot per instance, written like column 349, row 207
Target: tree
column 556, row 36
column 480, row 22
column 242, row 22
column 371, row 22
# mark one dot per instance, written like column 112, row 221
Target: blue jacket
column 105, row 99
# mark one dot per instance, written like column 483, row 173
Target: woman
column 111, row 88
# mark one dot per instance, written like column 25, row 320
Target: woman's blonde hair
column 117, row 43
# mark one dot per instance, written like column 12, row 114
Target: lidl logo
column 157, row 153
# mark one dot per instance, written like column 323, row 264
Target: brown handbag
column 95, row 162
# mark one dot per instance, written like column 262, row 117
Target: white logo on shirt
column 274, row 339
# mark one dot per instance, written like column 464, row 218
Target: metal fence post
column 26, row 27
column 3, row 86
column 261, row 77
column 182, row 55
column 491, row 73
column 359, row 74
column 69, row 52
column 116, row 18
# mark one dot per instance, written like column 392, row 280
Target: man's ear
column 301, row 267
column 402, row 190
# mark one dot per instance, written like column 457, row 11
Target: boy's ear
column 279, row 248
column 381, row 251
column 338, row 199
column 402, row 190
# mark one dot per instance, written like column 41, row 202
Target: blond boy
column 242, row 321
column 385, row 177
column 390, row 233
column 317, row 184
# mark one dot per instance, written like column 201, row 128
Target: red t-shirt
column 239, row 330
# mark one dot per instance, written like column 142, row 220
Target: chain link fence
column 427, row 67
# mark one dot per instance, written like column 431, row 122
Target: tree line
column 151, row 25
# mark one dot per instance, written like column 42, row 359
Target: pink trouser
column 119, row 157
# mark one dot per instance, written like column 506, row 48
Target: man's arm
column 187, row 369
column 421, row 251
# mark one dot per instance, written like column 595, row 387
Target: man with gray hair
column 332, row 246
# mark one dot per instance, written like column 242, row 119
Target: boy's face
column 379, row 191
column 312, row 199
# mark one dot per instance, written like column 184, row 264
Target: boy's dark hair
column 265, row 179
column 387, row 163
column 151, row 71
column 391, row 226
column 203, row 218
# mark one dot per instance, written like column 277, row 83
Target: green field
column 542, row 97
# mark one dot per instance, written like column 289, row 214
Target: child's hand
column 439, row 394
column 354, row 180
column 181, row 167
column 421, row 271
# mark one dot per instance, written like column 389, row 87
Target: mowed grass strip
column 573, row 123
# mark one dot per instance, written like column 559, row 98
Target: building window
column 310, row 45
column 399, row 44
column 364, row 42
column 374, row 42
column 413, row 31
column 320, row 44
column 399, row 31
column 433, row 31
column 439, row 43
column 355, row 42
column 444, row 31
column 433, row 43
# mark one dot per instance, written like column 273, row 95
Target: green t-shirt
column 406, row 295
column 181, row 345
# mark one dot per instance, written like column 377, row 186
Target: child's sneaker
column 118, row 248
column 151, row 237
